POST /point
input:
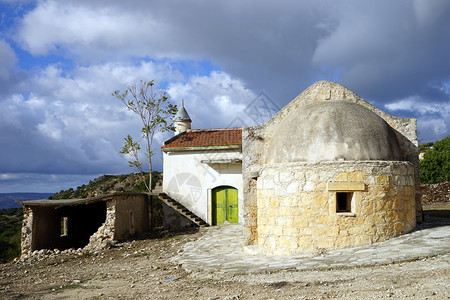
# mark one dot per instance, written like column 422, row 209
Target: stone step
column 182, row 210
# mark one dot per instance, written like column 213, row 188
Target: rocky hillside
column 108, row 184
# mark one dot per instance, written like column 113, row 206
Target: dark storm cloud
column 392, row 53
column 395, row 45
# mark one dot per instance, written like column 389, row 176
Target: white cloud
column 437, row 128
column 92, row 30
column 73, row 125
column 9, row 176
column 433, row 119
column 419, row 105
column 217, row 95
column 51, row 127
column 53, row 24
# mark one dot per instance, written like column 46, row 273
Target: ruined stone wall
column 26, row 233
column 126, row 215
column 297, row 205
column 92, row 223
column 105, row 233
column 41, row 228
column 131, row 216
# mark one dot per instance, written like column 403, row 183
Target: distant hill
column 109, row 184
column 102, row 185
column 7, row 199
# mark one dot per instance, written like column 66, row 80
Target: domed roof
column 332, row 131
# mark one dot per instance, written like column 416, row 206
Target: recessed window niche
column 344, row 202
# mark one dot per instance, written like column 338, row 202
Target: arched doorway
column 224, row 205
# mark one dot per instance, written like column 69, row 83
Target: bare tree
column 156, row 113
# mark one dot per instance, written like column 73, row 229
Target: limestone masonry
column 329, row 171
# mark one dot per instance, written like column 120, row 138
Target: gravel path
column 145, row 269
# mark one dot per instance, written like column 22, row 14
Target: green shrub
column 10, row 227
column 435, row 165
column 122, row 177
column 425, row 147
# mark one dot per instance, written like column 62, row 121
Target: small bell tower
column 182, row 121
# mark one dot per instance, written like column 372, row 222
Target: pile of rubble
column 436, row 192
column 38, row 255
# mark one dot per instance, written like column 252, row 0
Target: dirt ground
column 142, row 270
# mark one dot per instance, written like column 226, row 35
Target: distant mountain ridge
column 7, row 200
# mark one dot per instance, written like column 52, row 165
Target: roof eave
column 202, row 148
column 71, row 202
column 231, row 161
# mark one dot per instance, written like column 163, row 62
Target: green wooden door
column 224, row 205
column 219, row 204
column 232, row 205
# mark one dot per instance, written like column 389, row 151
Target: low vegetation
column 435, row 165
column 108, row 184
column 10, row 226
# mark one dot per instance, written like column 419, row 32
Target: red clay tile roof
column 205, row 138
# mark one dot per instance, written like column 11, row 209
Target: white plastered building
column 203, row 171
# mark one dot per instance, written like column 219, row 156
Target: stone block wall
column 252, row 150
column 255, row 141
column 297, row 205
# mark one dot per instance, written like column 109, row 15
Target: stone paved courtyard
column 221, row 250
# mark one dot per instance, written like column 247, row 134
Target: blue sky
column 61, row 60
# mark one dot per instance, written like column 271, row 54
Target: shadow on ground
column 435, row 218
